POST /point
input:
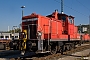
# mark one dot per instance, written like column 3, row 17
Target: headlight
column 39, row 33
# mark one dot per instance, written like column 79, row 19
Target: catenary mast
column 61, row 6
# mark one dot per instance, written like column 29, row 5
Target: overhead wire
column 86, row 8
column 72, row 9
column 83, row 5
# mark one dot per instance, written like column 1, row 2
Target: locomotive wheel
column 29, row 46
column 58, row 49
column 11, row 45
column 68, row 47
column 73, row 46
column 2, row 47
column 64, row 48
column 49, row 48
column 54, row 50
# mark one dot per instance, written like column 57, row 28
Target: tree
column 16, row 30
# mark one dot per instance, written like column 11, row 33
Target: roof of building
column 7, row 34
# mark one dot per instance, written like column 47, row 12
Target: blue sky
column 10, row 11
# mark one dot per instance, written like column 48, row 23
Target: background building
column 84, row 28
column 8, row 36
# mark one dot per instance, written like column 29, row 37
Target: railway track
column 58, row 55
column 9, row 54
column 16, row 55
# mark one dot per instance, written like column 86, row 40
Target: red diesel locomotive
column 55, row 32
column 52, row 33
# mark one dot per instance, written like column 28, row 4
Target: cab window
column 63, row 18
column 70, row 20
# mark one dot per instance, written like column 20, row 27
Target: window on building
column 6, row 36
column 1, row 36
column 16, row 36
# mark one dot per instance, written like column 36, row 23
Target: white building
column 8, row 35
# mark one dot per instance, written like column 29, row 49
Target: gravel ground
column 77, row 56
